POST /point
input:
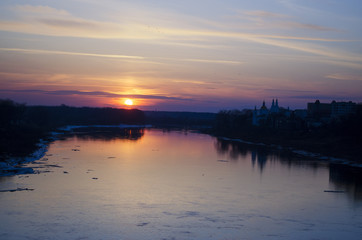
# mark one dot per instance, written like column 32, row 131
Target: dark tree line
column 233, row 123
column 187, row 120
column 340, row 137
column 65, row 115
column 22, row 126
column 18, row 136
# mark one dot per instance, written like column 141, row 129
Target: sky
column 190, row 55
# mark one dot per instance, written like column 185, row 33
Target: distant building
column 319, row 110
column 327, row 111
column 301, row 113
column 316, row 114
column 275, row 107
column 342, row 108
column 260, row 115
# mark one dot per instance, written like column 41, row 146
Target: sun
column 128, row 102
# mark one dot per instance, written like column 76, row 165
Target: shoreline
column 14, row 165
column 297, row 151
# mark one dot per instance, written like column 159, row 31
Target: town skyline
column 200, row 56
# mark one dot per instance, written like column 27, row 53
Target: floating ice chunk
column 17, row 190
column 10, row 171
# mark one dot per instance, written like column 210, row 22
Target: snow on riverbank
column 72, row 127
column 15, row 165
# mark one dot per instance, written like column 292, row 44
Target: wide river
column 152, row 184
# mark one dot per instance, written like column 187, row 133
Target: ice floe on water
column 9, row 170
column 175, row 193
column 17, row 190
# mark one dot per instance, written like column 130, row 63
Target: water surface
column 154, row 184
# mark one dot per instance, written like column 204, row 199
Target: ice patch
column 72, row 127
column 14, row 166
column 14, row 170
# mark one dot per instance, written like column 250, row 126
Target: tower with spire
column 275, row 107
column 263, row 113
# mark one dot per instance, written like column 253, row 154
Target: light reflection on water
column 156, row 184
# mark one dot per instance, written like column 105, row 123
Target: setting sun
column 128, row 102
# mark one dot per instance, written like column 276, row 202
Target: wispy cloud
column 332, row 55
column 117, row 56
column 97, row 94
column 155, row 27
column 40, row 10
column 288, row 91
column 325, row 97
column 298, row 7
column 54, row 22
column 264, row 14
column 64, row 23
column 204, row 60
column 40, row 51
column 49, row 21
column 339, row 76
column 275, row 20
column 310, row 26
column 190, row 82
column 45, row 20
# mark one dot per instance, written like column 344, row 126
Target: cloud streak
column 276, row 20
column 40, row 51
column 339, row 76
column 264, row 14
column 97, row 94
column 173, row 53
column 45, row 20
column 116, row 56
column 107, row 30
column 64, row 23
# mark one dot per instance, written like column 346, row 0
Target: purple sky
column 180, row 55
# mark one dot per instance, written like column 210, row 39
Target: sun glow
column 128, row 102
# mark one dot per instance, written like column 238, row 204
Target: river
column 156, row 184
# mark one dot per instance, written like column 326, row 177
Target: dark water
column 152, row 184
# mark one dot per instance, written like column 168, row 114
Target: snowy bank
column 15, row 165
column 72, row 127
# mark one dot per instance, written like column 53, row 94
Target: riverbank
column 22, row 128
column 305, row 147
column 337, row 138
column 336, row 159
column 337, row 149
column 13, row 164
column 110, row 188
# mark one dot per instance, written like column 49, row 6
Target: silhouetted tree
column 10, row 112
